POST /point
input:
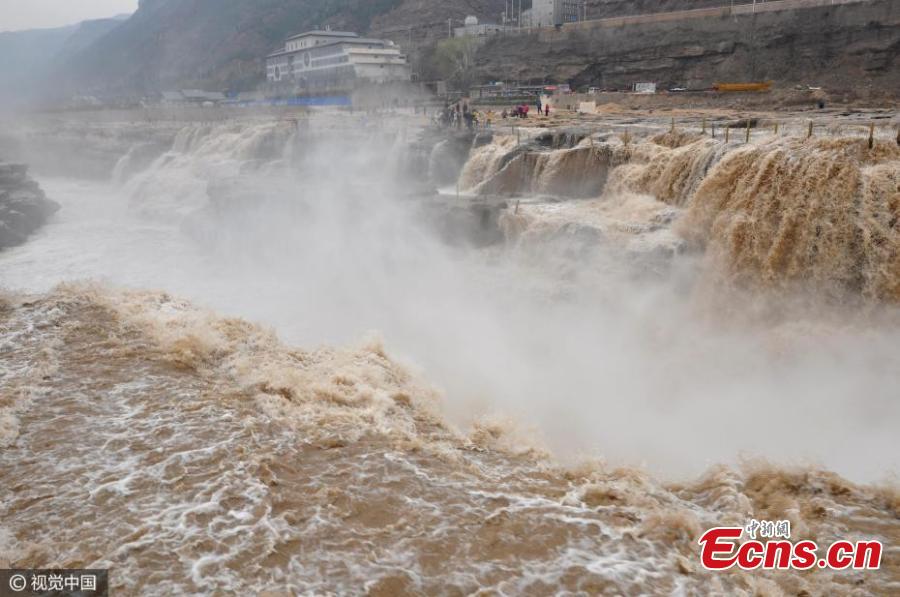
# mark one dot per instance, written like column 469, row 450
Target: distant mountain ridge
column 30, row 56
column 213, row 44
column 221, row 44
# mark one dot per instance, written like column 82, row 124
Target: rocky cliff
column 852, row 48
column 601, row 9
column 23, row 206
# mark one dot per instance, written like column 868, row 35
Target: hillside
column 36, row 52
column 851, row 49
column 425, row 20
column 601, row 9
column 220, row 44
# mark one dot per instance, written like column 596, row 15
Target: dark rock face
column 23, row 206
column 850, row 48
column 561, row 139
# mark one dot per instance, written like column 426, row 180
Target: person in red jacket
column 547, row 109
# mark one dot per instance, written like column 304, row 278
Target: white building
column 471, row 26
column 549, row 13
column 539, row 15
column 336, row 59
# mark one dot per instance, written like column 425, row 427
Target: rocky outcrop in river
column 23, row 205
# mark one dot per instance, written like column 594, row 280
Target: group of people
column 521, row 111
column 460, row 115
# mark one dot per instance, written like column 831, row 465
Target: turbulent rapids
column 192, row 452
column 269, row 357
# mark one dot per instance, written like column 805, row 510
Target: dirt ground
column 790, row 113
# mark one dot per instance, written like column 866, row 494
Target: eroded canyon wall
column 847, row 48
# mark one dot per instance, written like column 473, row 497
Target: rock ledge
column 23, row 205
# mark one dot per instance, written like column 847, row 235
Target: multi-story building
column 319, row 60
column 548, row 13
column 571, row 11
